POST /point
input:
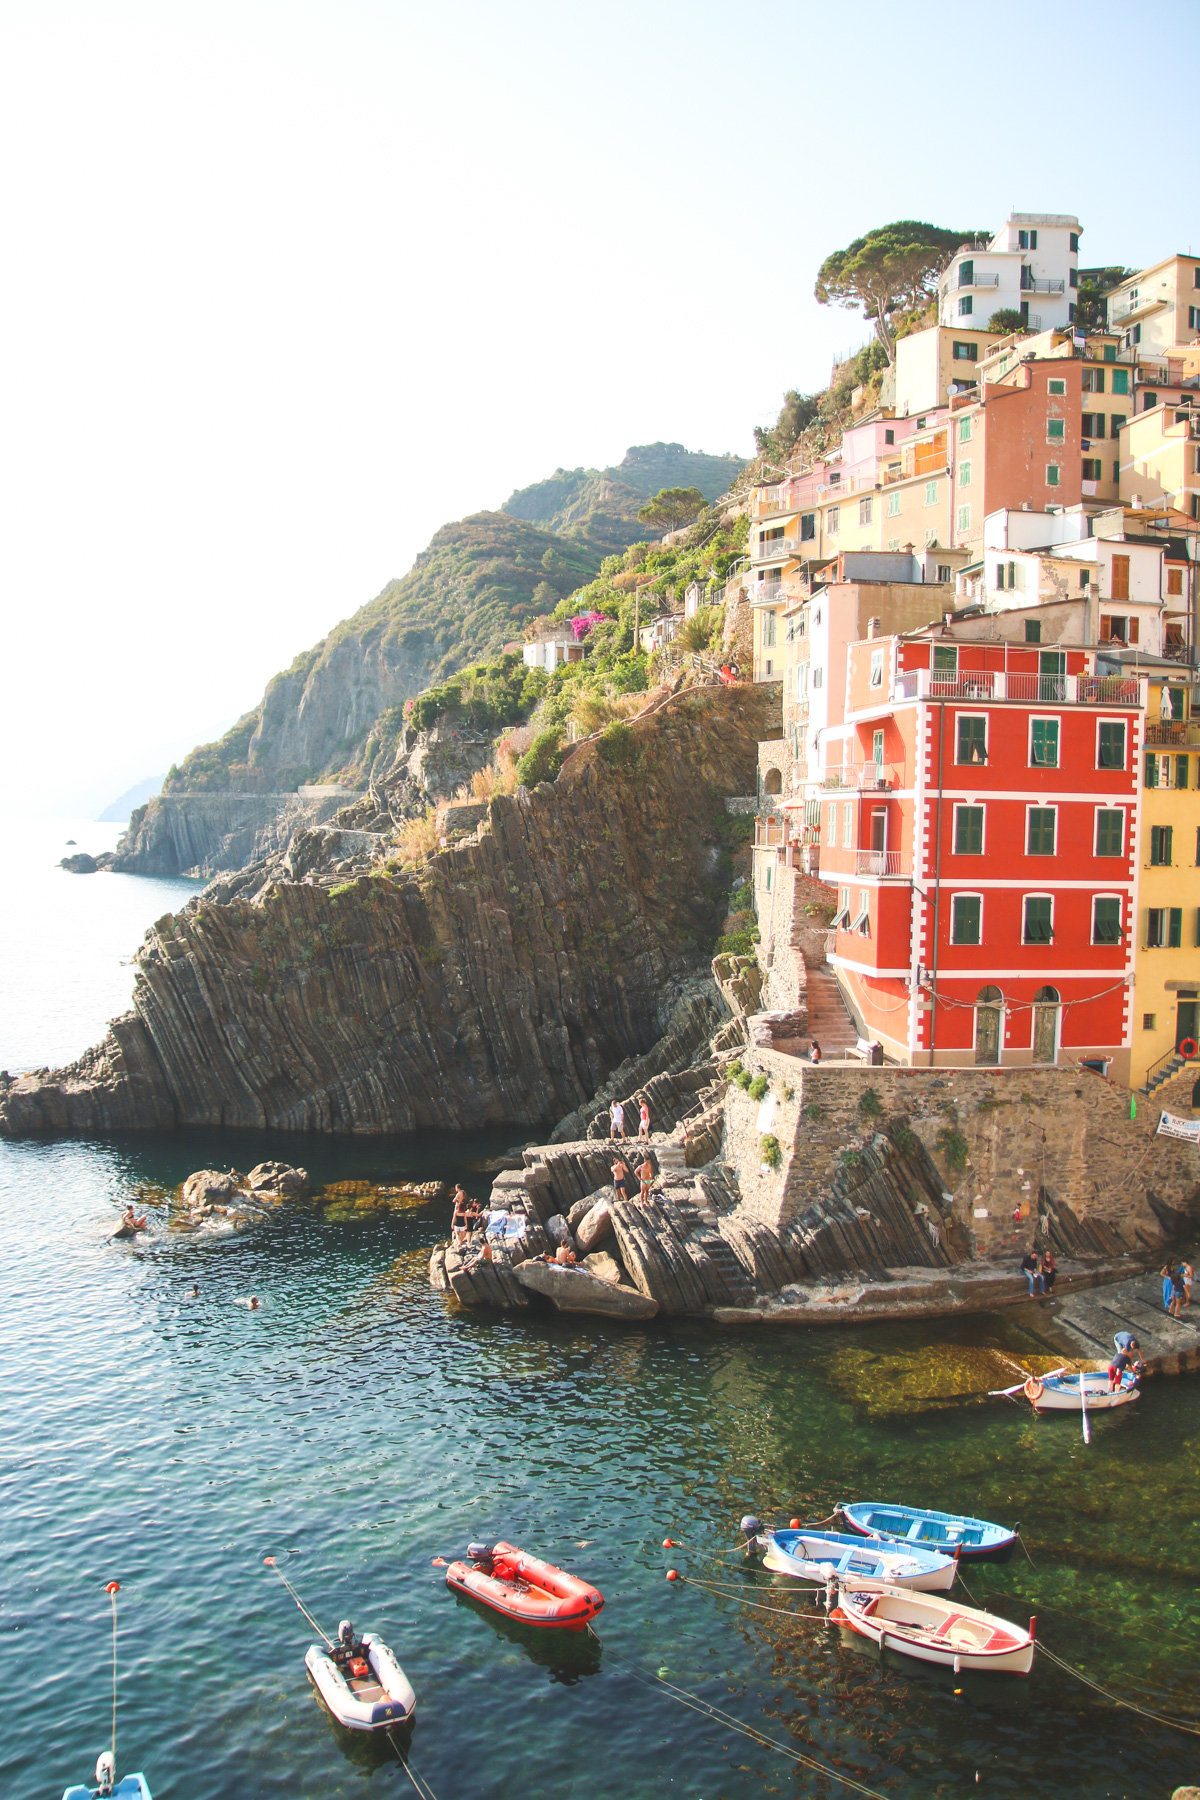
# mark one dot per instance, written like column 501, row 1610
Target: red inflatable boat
column 523, row 1587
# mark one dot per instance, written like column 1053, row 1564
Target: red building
column 982, row 832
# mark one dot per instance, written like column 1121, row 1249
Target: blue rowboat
column 130, row 1787
column 816, row 1555
column 976, row 1540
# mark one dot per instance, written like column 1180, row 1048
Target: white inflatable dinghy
column 361, row 1682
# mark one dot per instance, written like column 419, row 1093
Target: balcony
column 996, row 684
column 1183, row 733
column 1133, row 306
column 775, row 550
column 770, row 834
column 1038, row 284
column 888, row 865
column 864, row 777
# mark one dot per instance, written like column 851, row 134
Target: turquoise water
column 357, row 1426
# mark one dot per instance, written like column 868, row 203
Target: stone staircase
column 828, row 1021
column 1168, row 1070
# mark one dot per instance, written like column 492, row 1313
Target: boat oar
column 270, row 1563
column 1087, row 1433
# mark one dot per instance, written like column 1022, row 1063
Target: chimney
column 874, row 627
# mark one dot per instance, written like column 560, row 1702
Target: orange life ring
column 1033, row 1390
column 1188, row 1048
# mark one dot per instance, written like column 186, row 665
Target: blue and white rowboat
column 976, row 1540
column 130, row 1787
column 1059, row 1391
column 816, row 1555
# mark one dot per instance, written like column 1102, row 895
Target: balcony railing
column 1039, row 284
column 770, row 834
column 775, row 548
column 1183, row 732
column 888, row 865
column 1132, row 305
column 863, row 777
column 979, row 281
column 996, row 684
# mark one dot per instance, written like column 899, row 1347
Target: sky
column 288, row 285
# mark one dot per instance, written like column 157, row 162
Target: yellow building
column 1166, row 1000
column 1159, row 309
column 1160, row 458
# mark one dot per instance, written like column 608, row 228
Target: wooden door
column 987, row 1034
column 1187, row 1017
column 1045, row 1034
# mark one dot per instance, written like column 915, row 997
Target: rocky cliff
column 500, row 982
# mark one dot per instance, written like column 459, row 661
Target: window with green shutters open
column 1160, row 846
column 965, row 919
column 1110, row 831
column 968, row 831
column 1043, row 743
column 1106, row 921
column 1164, row 928
column 972, row 739
column 1039, row 919
column 1110, row 747
column 1040, row 831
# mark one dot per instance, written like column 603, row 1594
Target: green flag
column 1133, row 1106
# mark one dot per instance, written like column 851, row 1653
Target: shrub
column 542, row 760
column 953, row 1146
column 789, row 1093
column 1006, row 319
column 852, row 1159
column 906, row 1141
column 694, row 634
column 418, row 838
column 870, row 1104
column 343, row 887
column 758, row 1087
column 618, row 746
column 736, row 943
column 734, row 1070
column 769, row 1151
column 743, row 1079
column 814, row 1112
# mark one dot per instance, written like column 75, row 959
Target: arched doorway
column 989, row 1013
column 773, row 781
column 1046, row 1014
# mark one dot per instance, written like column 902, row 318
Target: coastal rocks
column 498, row 984
column 83, row 864
column 579, row 1291
column 277, row 1178
column 209, row 1195
column 206, row 834
column 603, row 1266
column 208, row 1188
column 595, row 1225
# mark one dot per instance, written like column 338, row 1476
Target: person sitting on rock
column 565, row 1256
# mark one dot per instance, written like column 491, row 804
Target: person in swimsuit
column 1179, row 1294
column 474, row 1217
column 1185, row 1269
column 622, row 1179
column 644, row 1121
column 645, row 1175
column 458, row 1222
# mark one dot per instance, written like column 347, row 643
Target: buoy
column 958, row 1690
column 668, row 1543
column 672, row 1574
column 114, row 1587
column 795, row 1524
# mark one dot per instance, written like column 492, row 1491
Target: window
column 1120, row 578
column 1092, row 425
column 1093, row 381
column 1056, row 431
column 842, row 915
column 1040, row 830
column 889, row 436
column 966, row 352
column 1119, row 629
column 1181, row 771
column 1043, row 743
column 1052, row 474
column 768, row 631
column 964, row 474
column 966, row 305
column 968, row 831
column 1160, row 846
column 1116, row 472
column 862, row 918
column 1115, row 422
column 1134, row 336
column 877, row 668
column 893, row 544
column 1054, row 386
column 864, row 510
column 1151, row 780
column 966, row 273
column 893, row 511
column 1110, row 830
column 1093, row 469
column 931, row 493
column 848, row 825
column 818, row 674
column 1039, row 919
column 1033, row 631
column 964, row 430
column 1149, row 1021
column 945, row 572
column 972, row 739
column 1110, row 355
column 1110, row 749
column 965, row 919
column 1194, row 318
column 1174, row 581
column 1106, row 920
column 930, row 535
column 833, row 520
column 1011, row 581
column 1073, row 281
column 808, row 527
column 1120, row 381
column 1156, row 928
column 964, row 518
column 945, row 659
column 831, row 827
column 1074, row 241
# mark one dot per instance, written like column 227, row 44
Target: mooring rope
column 112, row 1590
column 270, row 1563
column 1115, row 1699
column 784, row 1612
column 419, row 1782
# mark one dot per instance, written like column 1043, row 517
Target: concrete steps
column 828, row 1021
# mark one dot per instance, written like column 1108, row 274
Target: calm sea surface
column 357, row 1426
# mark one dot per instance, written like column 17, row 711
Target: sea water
column 358, row 1426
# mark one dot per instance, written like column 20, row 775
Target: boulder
column 577, row 1291
column 580, row 1210
column 208, row 1187
column 595, row 1225
column 603, row 1266
column 277, row 1178
column 79, row 864
column 559, row 1231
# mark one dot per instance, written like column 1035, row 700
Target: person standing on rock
column 622, row 1179
column 458, row 1219
column 616, row 1113
column 646, row 1175
column 644, row 1121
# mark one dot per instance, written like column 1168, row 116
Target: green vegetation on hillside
column 892, row 269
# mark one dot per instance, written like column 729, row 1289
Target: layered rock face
column 499, row 984
column 210, row 834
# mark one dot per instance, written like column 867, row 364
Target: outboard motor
column 750, row 1528
column 481, row 1554
column 106, row 1772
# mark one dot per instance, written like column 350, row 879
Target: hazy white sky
column 286, row 286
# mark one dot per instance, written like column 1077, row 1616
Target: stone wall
column 1048, row 1141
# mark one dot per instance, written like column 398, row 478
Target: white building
column 549, row 649
column 1031, row 266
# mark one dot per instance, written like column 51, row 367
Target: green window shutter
column 1038, row 914
column 1107, row 922
column 1045, row 743
column 1167, row 831
column 1181, row 771
column 1112, row 749
column 966, row 919
column 1151, row 763
column 1175, row 928
column 1041, row 831
column 972, row 740
column 1110, row 832
column 968, row 831
column 945, row 659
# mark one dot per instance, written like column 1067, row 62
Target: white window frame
column 1124, row 724
column 1053, row 475
column 847, row 824
column 831, row 827
column 876, row 676
column 964, row 474
column 1036, row 806
column 1120, row 900
column 1096, row 811
column 964, row 518
column 986, row 717
column 1056, row 386
column 1047, row 719
column 862, row 918
column 966, row 894
column 1038, row 894
column 968, row 806
column 842, row 915
column 893, row 511
column 833, row 521
column 964, row 430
